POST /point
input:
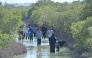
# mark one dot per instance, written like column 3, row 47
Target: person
column 35, row 30
column 21, row 35
column 39, row 35
column 49, row 33
column 26, row 28
column 44, row 30
column 59, row 44
column 53, row 28
column 30, row 32
column 52, row 43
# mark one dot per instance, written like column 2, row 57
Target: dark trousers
column 49, row 40
column 57, row 48
column 26, row 35
column 38, row 41
column 52, row 45
column 34, row 34
column 31, row 37
column 52, row 48
column 44, row 35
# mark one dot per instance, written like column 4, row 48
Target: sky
column 32, row 1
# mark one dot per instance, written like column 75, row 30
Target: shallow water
column 42, row 51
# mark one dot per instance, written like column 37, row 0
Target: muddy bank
column 12, row 50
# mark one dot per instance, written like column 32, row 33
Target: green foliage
column 66, row 17
column 41, row 3
column 87, row 10
column 82, row 32
column 23, row 10
column 0, row 3
column 32, row 7
column 9, row 21
column 5, row 39
column 9, row 24
column 58, row 15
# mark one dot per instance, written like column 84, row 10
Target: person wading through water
column 44, row 30
column 52, row 40
column 30, row 32
column 39, row 35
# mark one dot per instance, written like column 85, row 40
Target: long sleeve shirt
column 50, row 32
column 38, row 34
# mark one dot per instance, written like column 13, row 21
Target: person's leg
column 32, row 37
column 34, row 34
column 50, row 46
column 39, row 41
column 43, row 35
column 53, row 47
column 19, row 38
column 26, row 35
column 57, row 48
column 49, row 41
column 50, row 49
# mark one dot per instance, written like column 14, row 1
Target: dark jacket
column 52, row 38
column 30, row 32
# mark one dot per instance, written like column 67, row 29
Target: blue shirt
column 30, row 32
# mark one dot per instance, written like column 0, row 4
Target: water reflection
column 34, row 51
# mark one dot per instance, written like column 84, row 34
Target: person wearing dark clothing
column 21, row 35
column 52, row 43
column 30, row 32
column 59, row 44
column 49, row 33
column 44, row 30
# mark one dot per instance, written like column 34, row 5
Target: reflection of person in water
column 39, row 54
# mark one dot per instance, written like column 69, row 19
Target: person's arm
column 36, row 34
column 48, row 32
column 41, row 33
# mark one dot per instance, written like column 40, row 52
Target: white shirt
column 26, row 29
column 50, row 32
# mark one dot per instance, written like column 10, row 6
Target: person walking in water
column 26, row 28
column 30, row 32
column 44, row 30
column 52, row 39
column 39, row 35
column 49, row 33
column 52, row 43
column 35, row 30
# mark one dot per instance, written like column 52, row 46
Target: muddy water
column 42, row 51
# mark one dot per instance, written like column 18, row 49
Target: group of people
column 41, row 33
